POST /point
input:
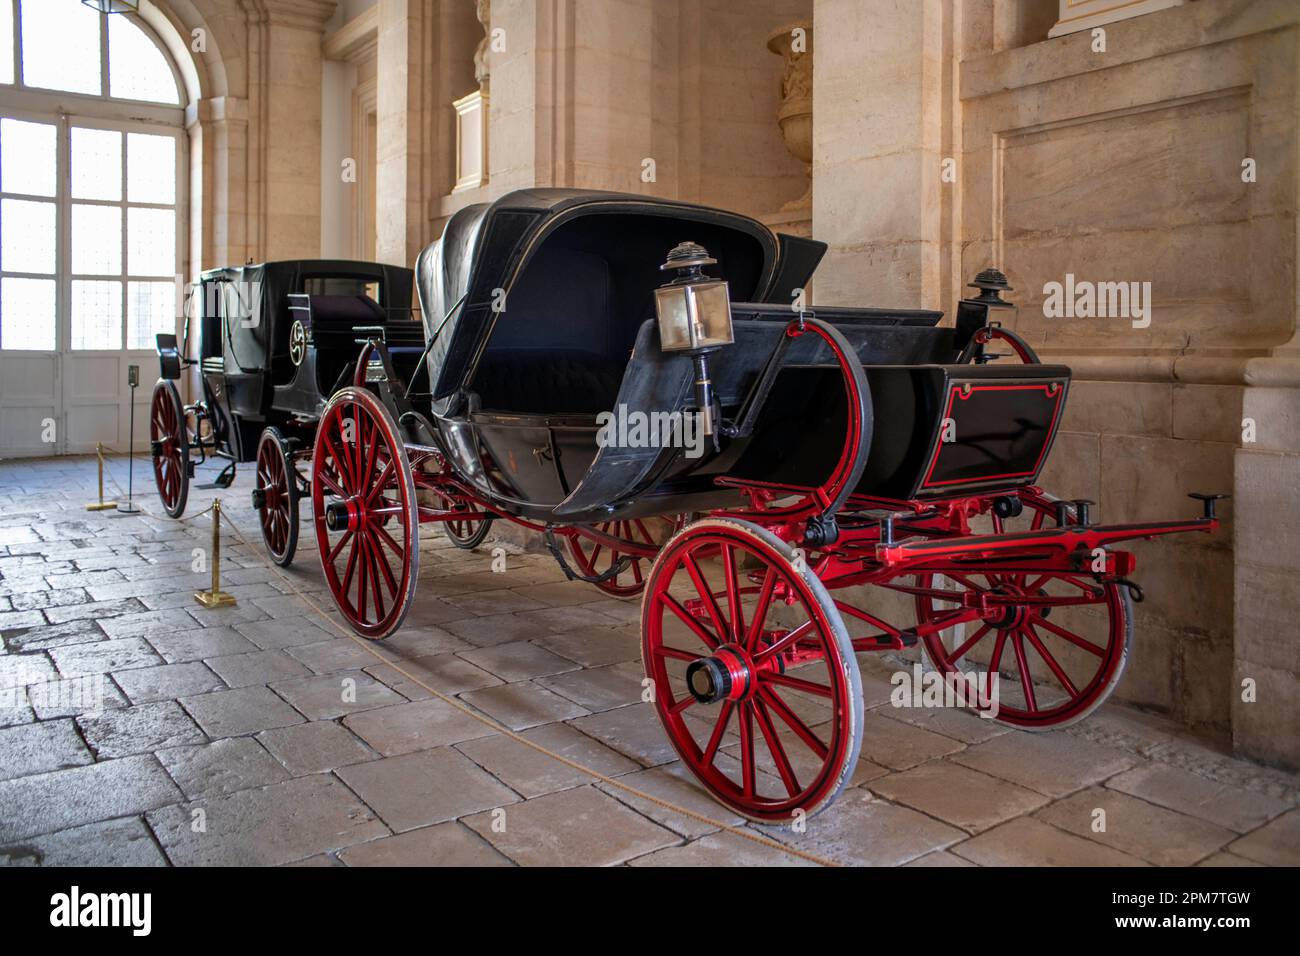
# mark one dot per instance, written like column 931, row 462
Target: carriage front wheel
column 169, row 448
column 275, row 496
column 365, row 513
column 1058, row 642
column 753, row 672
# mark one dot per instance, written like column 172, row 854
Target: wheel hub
column 728, row 674
column 1006, row 616
column 344, row 515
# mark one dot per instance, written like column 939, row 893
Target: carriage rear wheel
column 276, row 497
column 365, row 512
column 594, row 559
column 753, row 671
column 171, row 449
column 467, row 533
column 1058, row 642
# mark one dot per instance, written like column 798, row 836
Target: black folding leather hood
column 485, row 248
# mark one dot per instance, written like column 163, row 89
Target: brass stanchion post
column 215, row 597
column 101, row 504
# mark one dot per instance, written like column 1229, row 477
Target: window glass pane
column 96, row 314
column 150, row 309
column 150, row 168
column 27, row 236
column 96, row 240
column 27, row 313
column 27, row 159
column 6, row 42
column 61, row 45
column 137, row 69
column 151, row 242
column 96, row 163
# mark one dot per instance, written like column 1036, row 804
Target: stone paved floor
column 223, row 736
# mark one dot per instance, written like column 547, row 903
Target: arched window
column 91, row 216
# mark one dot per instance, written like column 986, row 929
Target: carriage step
column 223, row 480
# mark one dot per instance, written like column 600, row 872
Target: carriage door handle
column 542, row 454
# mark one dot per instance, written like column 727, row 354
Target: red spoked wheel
column 365, row 512
column 1059, row 642
column 593, row 558
column 754, row 675
column 275, row 496
column 467, row 533
column 170, row 448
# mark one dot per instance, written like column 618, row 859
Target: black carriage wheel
column 170, row 448
column 467, row 533
column 278, row 486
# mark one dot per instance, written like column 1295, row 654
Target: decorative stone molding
column 1077, row 15
column 471, row 140
column 300, row 14
column 356, row 40
column 794, row 43
column 482, row 64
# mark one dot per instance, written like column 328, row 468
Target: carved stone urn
column 794, row 42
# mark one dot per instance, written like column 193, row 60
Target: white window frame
column 67, row 110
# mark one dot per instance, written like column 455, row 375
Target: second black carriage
column 273, row 342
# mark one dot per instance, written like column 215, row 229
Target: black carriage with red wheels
column 273, row 342
column 633, row 379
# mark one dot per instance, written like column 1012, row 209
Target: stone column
column 283, row 178
column 404, row 129
column 878, row 102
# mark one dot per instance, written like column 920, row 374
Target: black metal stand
column 129, row 507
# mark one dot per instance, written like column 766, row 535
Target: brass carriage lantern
column 694, row 314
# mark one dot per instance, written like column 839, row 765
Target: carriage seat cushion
column 544, row 382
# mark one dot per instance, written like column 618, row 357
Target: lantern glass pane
column 712, row 314
column 674, row 318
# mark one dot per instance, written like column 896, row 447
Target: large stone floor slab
column 137, row 728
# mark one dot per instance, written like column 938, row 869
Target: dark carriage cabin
column 562, row 344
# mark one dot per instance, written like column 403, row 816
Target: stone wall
column 1122, row 165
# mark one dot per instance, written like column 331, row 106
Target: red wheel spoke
column 381, row 564
column 682, row 704
column 798, row 683
column 737, row 629
column 384, row 477
column 802, row 730
column 706, row 595
column 689, row 620
column 340, row 465
column 995, row 659
column 747, row 766
column 676, row 653
column 968, row 644
column 719, row 729
column 1073, row 638
column 387, row 538
column 765, row 593
column 376, row 586
column 363, row 576
column 1026, row 682
column 1051, row 662
column 775, row 749
column 786, row 641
